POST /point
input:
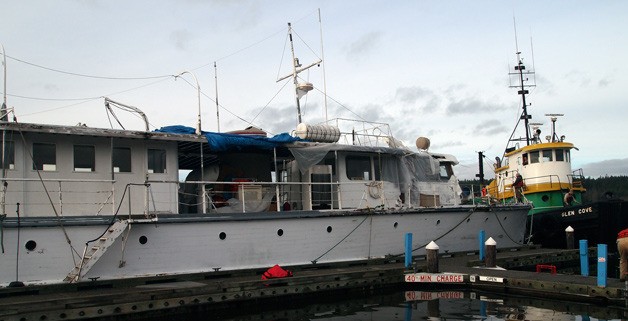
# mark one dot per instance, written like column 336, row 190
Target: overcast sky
column 437, row 69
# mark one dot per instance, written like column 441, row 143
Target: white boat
column 83, row 203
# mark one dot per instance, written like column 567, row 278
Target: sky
column 437, row 69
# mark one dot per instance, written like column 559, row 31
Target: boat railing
column 577, row 178
column 362, row 132
column 256, row 196
column 68, row 196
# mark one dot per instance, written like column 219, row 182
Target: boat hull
column 596, row 222
column 176, row 244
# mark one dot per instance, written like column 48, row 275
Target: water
column 405, row 305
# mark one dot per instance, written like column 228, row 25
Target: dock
column 228, row 289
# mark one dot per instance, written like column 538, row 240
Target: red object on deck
column 276, row 272
column 551, row 268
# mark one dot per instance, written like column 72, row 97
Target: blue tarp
column 221, row 142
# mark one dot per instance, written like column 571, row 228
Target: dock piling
column 584, row 258
column 481, row 238
column 602, row 258
column 432, row 257
column 408, row 252
column 491, row 252
column 569, row 236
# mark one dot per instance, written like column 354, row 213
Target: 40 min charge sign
column 434, row 278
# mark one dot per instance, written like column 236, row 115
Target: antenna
column 553, row 118
column 514, row 22
column 320, row 23
column 217, row 106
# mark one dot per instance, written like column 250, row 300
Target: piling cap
column 569, row 229
column 490, row 241
column 432, row 246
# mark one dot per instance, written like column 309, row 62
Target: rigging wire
column 268, row 103
column 159, row 77
column 85, row 75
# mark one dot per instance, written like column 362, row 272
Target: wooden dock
column 224, row 289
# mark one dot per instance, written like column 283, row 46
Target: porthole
column 30, row 245
column 280, row 232
column 143, row 239
column 437, row 222
column 222, row 235
column 545, row 198
column 329, row 229
column 395, row 225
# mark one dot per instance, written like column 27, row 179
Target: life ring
column 375, row 189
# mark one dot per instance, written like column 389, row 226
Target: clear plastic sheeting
column 307, row 157
column 416, row 175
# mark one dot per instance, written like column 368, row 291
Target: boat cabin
column 81, row 171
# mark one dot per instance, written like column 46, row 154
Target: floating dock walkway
column 224, row 289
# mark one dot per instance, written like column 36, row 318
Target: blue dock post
column 408, row 260
column 602, row 257
column 584, row 258
column 481, row 237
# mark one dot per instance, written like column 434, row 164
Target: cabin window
column 9, row 155
column 121, row 160
column 547, row 155
column 84, row 158
column 560, row 155
column 567, row 156
column 156, row 160
column 446, row 171
column 44, row 157
column 525, row 159
column 359, row 167
column 534, row 157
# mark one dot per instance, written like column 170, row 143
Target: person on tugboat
column 518, row 186
column 569, row 198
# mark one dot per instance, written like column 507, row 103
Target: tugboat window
column 156, row 161
column 567, row 158
column 9, row 155
column 84, row 158
column 359, row 167
column 121, row 159
column 547, row 155
column 560, row 157
column 44, row 157
column 534, row 157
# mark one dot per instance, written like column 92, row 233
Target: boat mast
column 523, row 92
column 295, row 65
column 521, row 84
column 299, row 89
column 217, row 105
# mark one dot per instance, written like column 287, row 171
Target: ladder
column 93, row 253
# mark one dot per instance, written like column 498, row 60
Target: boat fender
column 276, row 272
column 375, row 189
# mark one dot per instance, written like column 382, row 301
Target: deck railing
column 72, row 197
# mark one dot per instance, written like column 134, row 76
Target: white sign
column 493, row 279
column 435, row 277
